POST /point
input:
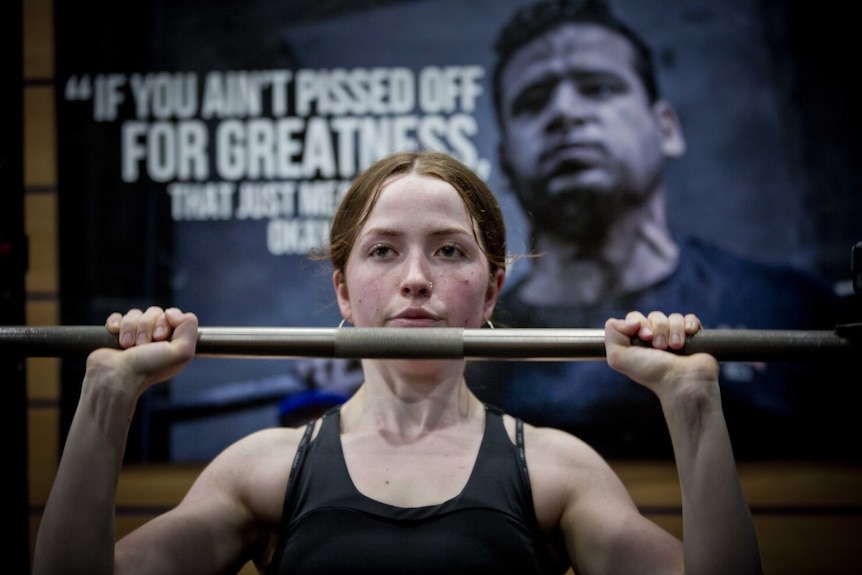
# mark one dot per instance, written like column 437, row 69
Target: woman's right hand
column 156, row 345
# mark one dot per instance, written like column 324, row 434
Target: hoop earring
column 341, row 323
column 489, row 323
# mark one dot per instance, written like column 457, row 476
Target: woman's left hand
column 652, row 362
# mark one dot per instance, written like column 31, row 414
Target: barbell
column 534, row 344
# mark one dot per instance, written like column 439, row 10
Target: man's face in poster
column 581, row 141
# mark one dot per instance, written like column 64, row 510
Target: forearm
column 76, row 534
column 718, row 534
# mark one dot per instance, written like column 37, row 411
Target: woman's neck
column 409, row 408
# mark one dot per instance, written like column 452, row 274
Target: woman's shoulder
column 549, row 444
column 272, row 437
column 559, row 445
column 254, row 470
column 565, row 470
column 559, row 459
column 267, row 448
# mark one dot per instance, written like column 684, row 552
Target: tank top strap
column 301, row 451
column 519, row 438
column 496, row 433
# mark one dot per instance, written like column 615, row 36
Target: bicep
column 225, row 519
column 195, row 536
column 606, row 533
column 577, row 491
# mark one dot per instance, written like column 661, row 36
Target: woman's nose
column 417, row 281
column 417, row 288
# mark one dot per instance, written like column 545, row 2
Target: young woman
column 413, row 474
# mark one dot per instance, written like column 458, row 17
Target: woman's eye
column 451, row 251
column 380, row 251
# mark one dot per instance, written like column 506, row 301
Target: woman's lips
column 414, row 318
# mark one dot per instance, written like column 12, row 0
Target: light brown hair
column 362, row 195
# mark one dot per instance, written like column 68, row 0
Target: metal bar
column 436, row 343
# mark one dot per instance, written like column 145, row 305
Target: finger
column 620, row 331
column 638, row 325
column 185, row 330
column 113, row 322
column 692, row 324
column 676, row 330
column 637, row 316
column 660, row 329
column 163, row 325
column 147, row 324
column 129, row 327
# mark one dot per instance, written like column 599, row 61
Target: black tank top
column 328, row 526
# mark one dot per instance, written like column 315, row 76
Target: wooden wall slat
column 40, row 226
column 809, row 545
column 40, row 166
column 38, row 39
column 155, row 485
column 43, row 449
column 42, row 312
column 43, row 379
column 802, row 483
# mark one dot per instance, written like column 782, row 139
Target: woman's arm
column 76, row 534
column 719, row 535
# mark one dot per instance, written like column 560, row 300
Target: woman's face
column 416, row 261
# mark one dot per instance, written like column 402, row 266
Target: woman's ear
column 495, row 286
column 342, row 294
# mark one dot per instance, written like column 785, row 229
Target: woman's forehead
column 421, row 206
column 417, row 194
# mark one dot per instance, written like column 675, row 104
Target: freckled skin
column 396, row 258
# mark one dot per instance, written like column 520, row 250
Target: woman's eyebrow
column 391, row 232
